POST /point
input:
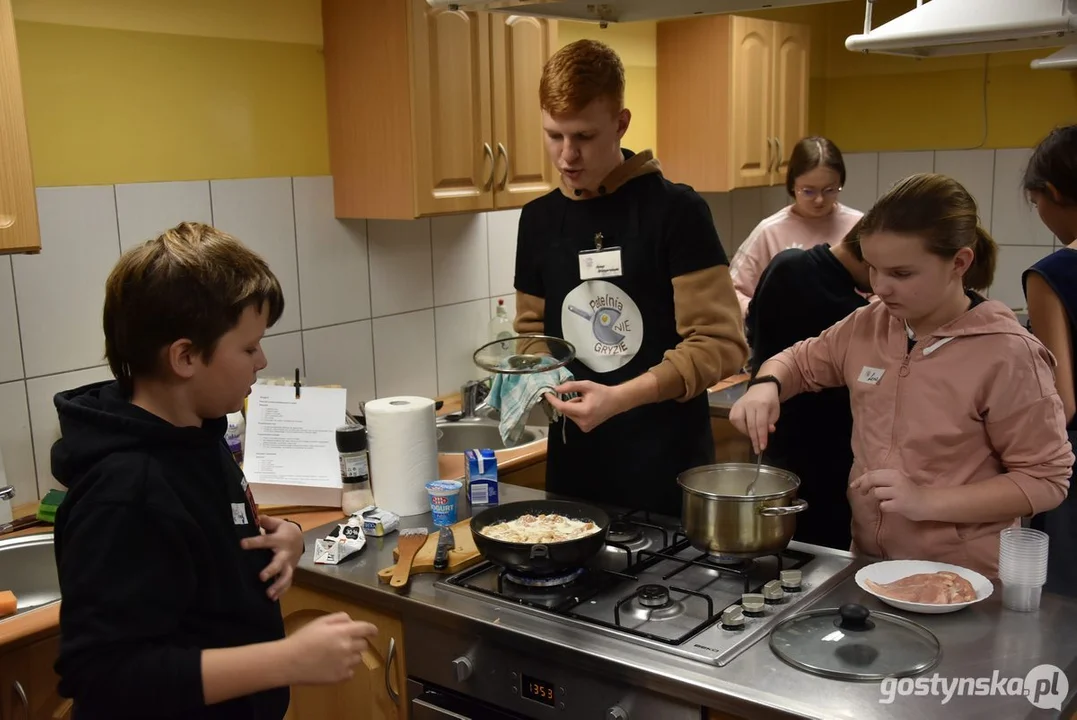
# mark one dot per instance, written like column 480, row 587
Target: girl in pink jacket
column 814, row 179
column 958, row 430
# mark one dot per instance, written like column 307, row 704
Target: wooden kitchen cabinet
column 433, row 110
column 28, row 683
column 378, row 689
column 18, row 205
column 732, row 99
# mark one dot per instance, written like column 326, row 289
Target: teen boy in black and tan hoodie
column 170, row 589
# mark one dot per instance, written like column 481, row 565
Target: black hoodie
column 150, row 564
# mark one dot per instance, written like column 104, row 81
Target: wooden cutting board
column 463, row 556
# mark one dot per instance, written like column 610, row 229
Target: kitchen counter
column 722, row 396
column 976, row 642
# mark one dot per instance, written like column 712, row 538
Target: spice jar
column 354, row 468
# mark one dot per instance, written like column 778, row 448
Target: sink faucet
column 473, row 395
column 6, row 494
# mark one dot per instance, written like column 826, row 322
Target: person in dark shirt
column 170, row 589
column 800, row 294
column 627, row 267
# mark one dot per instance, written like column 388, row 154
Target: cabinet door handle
column 488, row 153
column 502, row 152
column 770, row 154
column 17, row 691
column 778, row 157
column 389, row 672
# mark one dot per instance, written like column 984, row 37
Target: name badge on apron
column 601, row 262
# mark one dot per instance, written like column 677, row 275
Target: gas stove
column 648, row 585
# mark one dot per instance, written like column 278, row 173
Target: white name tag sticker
column 870, row 375
column 239, row 513
column 598, row 264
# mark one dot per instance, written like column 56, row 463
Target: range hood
column 619, row 11
column 966, row 27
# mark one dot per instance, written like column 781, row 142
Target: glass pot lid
column 524, row 354
column 851, row 643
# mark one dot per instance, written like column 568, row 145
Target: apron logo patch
column 603, row 323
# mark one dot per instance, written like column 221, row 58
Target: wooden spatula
column 411, row 541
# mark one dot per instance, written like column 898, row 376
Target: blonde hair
column 193, row 282
column 940, row 210
column 580, row 73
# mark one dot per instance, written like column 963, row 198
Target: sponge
column 8, row 603
column 46, row 510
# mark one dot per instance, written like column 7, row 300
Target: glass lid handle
column 854, row 618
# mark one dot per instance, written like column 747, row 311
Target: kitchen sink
column 28, row 569
column 472, row 433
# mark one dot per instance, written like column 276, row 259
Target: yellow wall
column 636, row 44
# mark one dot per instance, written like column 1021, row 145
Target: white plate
column 890, row 570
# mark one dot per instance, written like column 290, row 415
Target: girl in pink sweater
column 958, row 430
column 814, row 179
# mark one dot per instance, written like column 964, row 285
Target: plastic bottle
column 500, row 324
column 354, row 468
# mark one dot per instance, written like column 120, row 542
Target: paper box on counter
column 480, row 471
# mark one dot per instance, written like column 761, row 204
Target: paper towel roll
column 402, row 440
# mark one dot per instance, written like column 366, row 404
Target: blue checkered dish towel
column 513, row 396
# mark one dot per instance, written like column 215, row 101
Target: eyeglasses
column 812, row 193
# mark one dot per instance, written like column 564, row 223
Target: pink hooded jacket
column 973, row 400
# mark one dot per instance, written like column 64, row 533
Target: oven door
column 429, row 702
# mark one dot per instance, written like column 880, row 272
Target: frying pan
column 602, row 322
column 540, row 559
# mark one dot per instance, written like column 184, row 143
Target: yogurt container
column 443, row 500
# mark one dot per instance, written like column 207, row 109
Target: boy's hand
column 326, row 649
column 896, row 493
column 285, row 539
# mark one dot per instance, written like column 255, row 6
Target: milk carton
column 480, row 471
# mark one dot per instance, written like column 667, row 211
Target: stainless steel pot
column 720, row 519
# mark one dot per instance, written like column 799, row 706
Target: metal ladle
column 758, row 468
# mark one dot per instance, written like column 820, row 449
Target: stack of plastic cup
column 1022, row 568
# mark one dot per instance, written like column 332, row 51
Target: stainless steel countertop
column 722, row 401
column 976, row 642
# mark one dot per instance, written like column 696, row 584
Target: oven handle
column 422, row 710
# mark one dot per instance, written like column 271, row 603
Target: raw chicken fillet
column 937, row 588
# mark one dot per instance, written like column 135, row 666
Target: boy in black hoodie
column 170, row 590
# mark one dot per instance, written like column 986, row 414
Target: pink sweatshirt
column 974, row 400
column 783, row 230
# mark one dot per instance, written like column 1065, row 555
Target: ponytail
column 981, row 273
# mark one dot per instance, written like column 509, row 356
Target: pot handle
column 797, row 506
column 539, row 551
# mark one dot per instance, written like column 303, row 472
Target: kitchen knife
column 446, row 542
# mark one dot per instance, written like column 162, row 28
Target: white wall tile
column 44, row 421
column 16, row 448
column 147, row 209
column 774, row 199
column 894, row 166
column 510, row 305
column 259, row 213
column 405, row 360
column 747, row 211
column 861, row 188
column 722, row 214
column 284, row 353
column 401, row 279
column 975, row 169
column 461, row 330
column 503, row 226
column 62, row 290
column 342, row 355
column 10, row 345
column 334, row 276
column 1012, row 262
column 461, row 258
column 1014, row 221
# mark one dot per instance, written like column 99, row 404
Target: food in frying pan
column 937, row 588
column 540, row 529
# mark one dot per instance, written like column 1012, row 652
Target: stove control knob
column 616, row 713
column 772, row 592
column 733, row 618
column 463, row 667
column 752, row 603
column 791, row 580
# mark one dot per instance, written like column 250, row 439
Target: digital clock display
column 537, row 690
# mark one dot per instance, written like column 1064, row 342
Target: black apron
column 632, row 460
